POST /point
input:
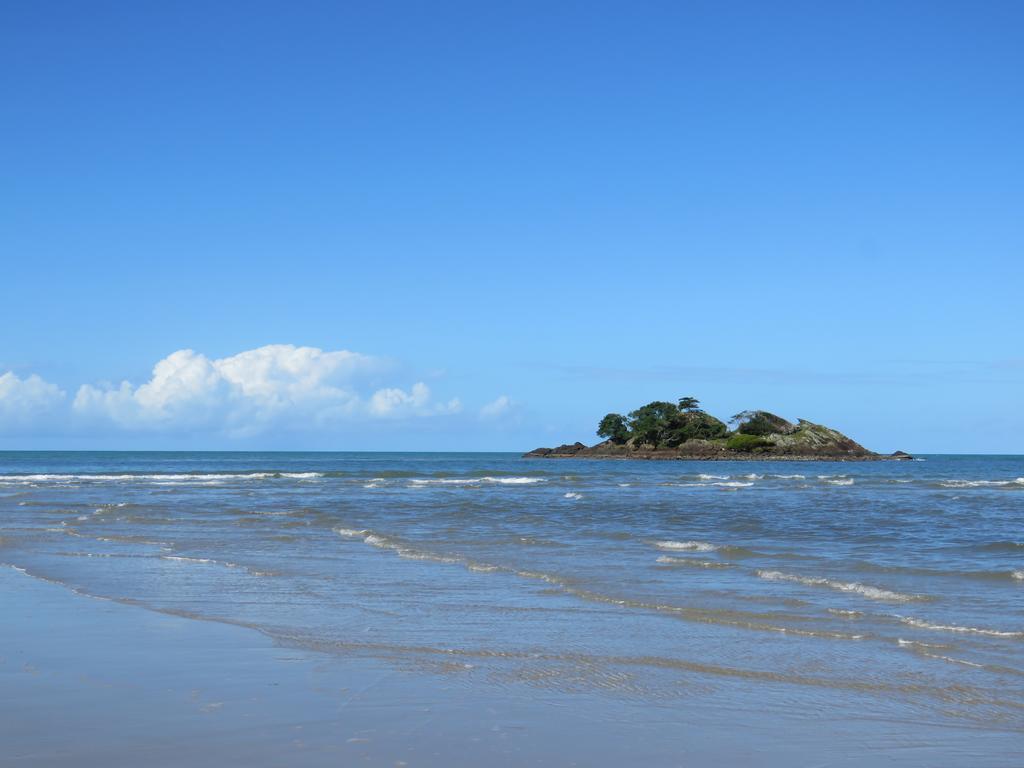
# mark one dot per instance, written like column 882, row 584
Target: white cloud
column 280, row 385
column 396, row 402
column 27, row 402
column 273, row 390
column 497, row 408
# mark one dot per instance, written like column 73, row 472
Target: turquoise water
column 867, row 593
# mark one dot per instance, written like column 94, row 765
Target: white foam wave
column 981, row 483
column 409, row 553
column 378, row 541
column 477, row 480
column 414, row 554
column 706, row 484
column 131, row 540
column 872, row 593
column 922, row 624
column 789, row 477
column 713, row 477
column 211, row 561
column 572, row 495
column 918, row 644
column 373, row 539
column 687, row 546
column 1019, row 575
column 351, row 533
column 168, row 477
column 690, row 562
column 841, row 481
column 954, row 661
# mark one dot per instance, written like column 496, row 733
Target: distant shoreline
column 673, row 456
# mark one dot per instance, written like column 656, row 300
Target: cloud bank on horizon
column 278, row 387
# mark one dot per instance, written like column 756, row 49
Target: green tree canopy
column 695, row 425
column 614, row 427
column 761, row 423
column 650, row 423
column 689, row 404
column 665, row 424
column 660, row 423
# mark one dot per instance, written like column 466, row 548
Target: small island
column 664, row 430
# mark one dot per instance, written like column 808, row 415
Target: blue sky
column 517, row 216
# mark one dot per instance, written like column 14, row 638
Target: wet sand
column 90, row 682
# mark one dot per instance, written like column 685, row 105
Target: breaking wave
column 402, row 550
column 982, row 483
column 922, row 624
column 477, row 480
column 872, row 593
column 212, row 561
column 691, row 562
column 686, row 546
column 158, row 477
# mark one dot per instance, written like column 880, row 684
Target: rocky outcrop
column 562, row 450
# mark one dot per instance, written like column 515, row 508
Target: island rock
column 663, row 430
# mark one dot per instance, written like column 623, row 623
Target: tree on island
column 614, row 427
column 761, row 423
column 651, row 424
column 689, row 404
column 662, row 423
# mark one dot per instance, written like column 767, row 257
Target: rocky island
column 664, row 430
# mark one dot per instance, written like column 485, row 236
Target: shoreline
column 91, row 682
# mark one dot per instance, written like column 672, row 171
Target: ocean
column 879, row 602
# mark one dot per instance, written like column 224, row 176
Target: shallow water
column 888, row 591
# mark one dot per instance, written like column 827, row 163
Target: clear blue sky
column 545, row 210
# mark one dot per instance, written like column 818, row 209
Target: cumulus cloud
column 396, row 402
column 275, row 389
column 27, row 402
column 280, row 386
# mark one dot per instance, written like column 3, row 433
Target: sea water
column 867, row 592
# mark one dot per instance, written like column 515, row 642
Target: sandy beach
column 92, row 682
column 89, row 682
